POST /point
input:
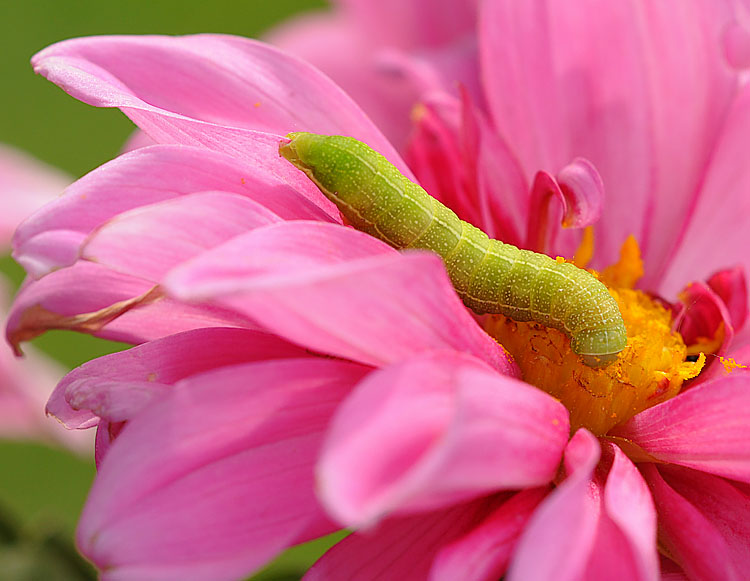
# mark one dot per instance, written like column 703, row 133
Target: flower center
column 650, row 370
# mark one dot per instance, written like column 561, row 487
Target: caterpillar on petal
column 488, row 275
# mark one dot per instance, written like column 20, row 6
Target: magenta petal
column 485, row 551
column 93, row 299
column 626, row 539
column 434, row 430
column 52, row 236
column 217, row 478
column 159, row 364
column 151, row 240
column 703, row 522
column 731, row 286
column 559, row 537
column 400, row 548
column 705, row 428
column 319, row 284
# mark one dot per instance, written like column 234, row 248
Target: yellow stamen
column 650, row 370
column 628, row 270
column 585, row 250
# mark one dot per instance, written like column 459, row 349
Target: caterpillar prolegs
column 488, row 275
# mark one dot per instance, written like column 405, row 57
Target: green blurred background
column 42, row 489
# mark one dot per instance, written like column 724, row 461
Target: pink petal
column 344, row 53
column 705, row 428
column 626, row 541
column 602, row 530
column 224, row 93
column 485, row 551
column 716, row 236
column 26, row 184
column 95, row 385
column 731, row 286
column 338, row 291
column 434, row 430
column 578, row 190
column 558, row 539
column 151, row 240
column 703, row 522
column 412, row 24
column 704, row 316
column 636, row 88
column 459, row 160
column 217, row 478
column 90, row 298
column 401, row 548
column 51, row 237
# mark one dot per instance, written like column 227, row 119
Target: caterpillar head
column 599, row 347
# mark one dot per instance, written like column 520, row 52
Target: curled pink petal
column 703, row 428
column 704, row 316
column 317, row 285
column 580, row 192
column 225, row 489
column 731, row 286
column 437, row 429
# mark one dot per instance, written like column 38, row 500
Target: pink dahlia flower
column 25, row 185
column 293, row 376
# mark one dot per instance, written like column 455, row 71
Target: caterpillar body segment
column 488, row 275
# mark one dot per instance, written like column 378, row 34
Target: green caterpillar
column 488, row 275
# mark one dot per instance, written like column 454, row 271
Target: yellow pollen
column 651, row 369
column 730, row 364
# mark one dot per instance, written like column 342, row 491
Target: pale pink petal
column 151, row 240
column 708, row 541
column 435, row 430
column 338, row 291
column 419, row 23
column 158, row 364
column 51, row 237
column 217, row 478
column 560, row 535
column 566, row 80
column 26, row 184
column 345, row 54
column 225, row 93
column 90, row 298
column 485, row 551
column 400, row 548
column 705, row 428
column 717, row 235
